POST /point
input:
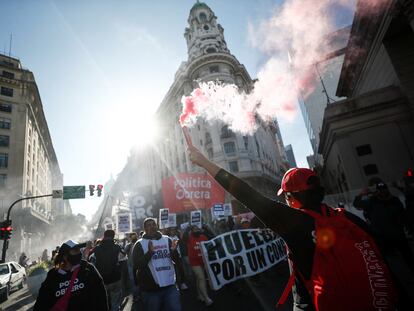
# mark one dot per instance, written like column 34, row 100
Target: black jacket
column 107, row 261
column 88, row 293
column 140, row 260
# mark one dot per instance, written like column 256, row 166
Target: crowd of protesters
column 154, row 265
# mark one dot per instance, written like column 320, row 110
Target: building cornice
column 377, row 107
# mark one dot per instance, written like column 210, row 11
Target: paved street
column 244, row 295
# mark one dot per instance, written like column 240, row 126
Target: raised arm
column 274, row 214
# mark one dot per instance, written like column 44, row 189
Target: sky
column 103, row 67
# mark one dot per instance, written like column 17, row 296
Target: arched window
column 203, row 17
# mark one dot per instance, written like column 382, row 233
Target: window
column 8, row 75
column 6, row 91
column 5, row 107
column 3, row 180
column 206, row 27
column 226, row 132
column 214, row 69
column 5, row 123
column 363, row 150
column 201, row 142
column 4, row 141
column 210, row 153
column 230, row 148
column 208, row 138
column 4, row 160
column 370, row 169
column 212, row 50
column 246, row 141
column 203, row 17
column 233, row 166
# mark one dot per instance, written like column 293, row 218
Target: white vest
column 160, row 265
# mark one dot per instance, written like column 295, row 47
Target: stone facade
column 28, row 163
column 259, row 158
column 369, row 136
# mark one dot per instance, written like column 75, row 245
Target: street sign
column 73, row 192
column 57, row 194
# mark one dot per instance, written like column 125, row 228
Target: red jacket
column 194, row 252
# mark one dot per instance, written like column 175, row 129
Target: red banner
column 190, row 191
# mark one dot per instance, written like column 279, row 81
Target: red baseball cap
column 296, row 180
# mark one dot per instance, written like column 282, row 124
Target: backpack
column 348, row 271
column 107, row 262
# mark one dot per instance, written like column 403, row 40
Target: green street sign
column 73, row 192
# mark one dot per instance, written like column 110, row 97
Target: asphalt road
column 257, row 293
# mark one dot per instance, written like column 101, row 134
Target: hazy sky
column 102, row 67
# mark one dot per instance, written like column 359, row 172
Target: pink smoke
column 298, row 28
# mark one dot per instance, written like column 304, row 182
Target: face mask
column 74, row 259
column 292, row 202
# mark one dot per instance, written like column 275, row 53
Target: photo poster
column 172, row 220
column 124, row 223
column 195, row 219
column 163, row 218
column 241, row 253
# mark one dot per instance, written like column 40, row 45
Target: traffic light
column 99, row 190
column 91, row 189
column 6, row 230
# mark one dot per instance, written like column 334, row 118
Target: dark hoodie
column 87, row 294
column 140, row 260
column 107, row 263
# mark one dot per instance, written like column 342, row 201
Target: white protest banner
column 172, row 220
column 163, row 218
column 196, row 218
column 228, row 210
column 124, row 222
column 241, row 253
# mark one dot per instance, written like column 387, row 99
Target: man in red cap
column 334, row 261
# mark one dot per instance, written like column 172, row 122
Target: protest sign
column 172, row 220
column 184, row 225
column 241, row 253
column 163, row 218
column 228, row 211
column 124, row 222
column 218, row 211
column 196, row 218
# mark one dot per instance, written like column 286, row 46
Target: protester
column 133, row 238
column 86, row 252
column 152, row 258
column 385, row 216
column 244, row 223
column 44, row 256
column 327, row 247
column 23, row 260
column 107, row 263
column 174, row 234
column 196, row 261
column 73, row 284
column 55, row 252
column 123, row 262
